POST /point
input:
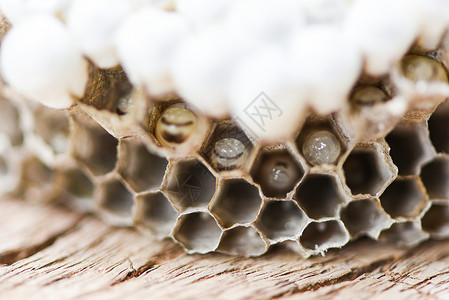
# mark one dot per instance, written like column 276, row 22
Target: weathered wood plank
column 90, row 260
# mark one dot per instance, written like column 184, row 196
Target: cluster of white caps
column 218, row 55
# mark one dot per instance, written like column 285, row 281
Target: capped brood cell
column 404, row 197
column 189, row 184
column 320, row 236
column 92, row 146
column 237, row 202
column 368, row 169
column 409, row 146
column 320, row 195
column 115, row 202
column 365, row 217
column 140, row 168
column 277, row 172
column 243, row 241
column 281, row 220
column 197, row 232
column 155, row 214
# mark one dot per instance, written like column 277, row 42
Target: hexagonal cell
column 280, row 220
column 92, row 146
column 189, row 184
column 277, row 172
column 10, row 124
column 244, row 241
column 4, row 168
column 36, row 181
column 410, row 146
column 197, row 232
column 227, row 148
column 319, row 195
column 320, row 236
column 435, row 177
column 436, row 221
column 53, row 127
column 439, row 127
column 155, row 214
column 320, row 142
column 115, row 202
column 106, row 88
column 237, row 201
column 367, row 170
column 404, row 197
column 76, row 187
column 364, row 217
column 141, row 169
column 404, row 234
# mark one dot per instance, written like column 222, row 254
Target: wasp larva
column 175, row 125
column 278, row 174
column 368, row 95
column 321, row 147
column 125, row 105
column 416, row 67
column 228, row 153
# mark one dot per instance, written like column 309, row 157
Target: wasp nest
column 221, row 139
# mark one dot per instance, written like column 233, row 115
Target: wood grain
column 49, row 252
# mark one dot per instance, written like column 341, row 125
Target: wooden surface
column 49, row 252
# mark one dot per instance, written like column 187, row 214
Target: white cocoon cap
column 204, row 12
column 146, row 43
column 202, row 68
column 327, row 65
column 17, row 10
column 264, row 99
column 383, row 30
column 265, row 21
column 39, row 59
column 94, row 24
column 434, row 21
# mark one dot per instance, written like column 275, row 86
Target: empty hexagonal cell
column 227, row 148
column 436, row 221
column 277, row 172
column 53, row 127
column 115, row 202
column 197, row 232
column 237, row 201
column 189, row 184
column 364, row 217
column 36, row 180
column 319, row 195
column 410, row 146
column 93, row 147
column 320, row 236
column 141, row 169
column 404, row 234
column 77, row 188
column 280, row 220
column 404, row 197
column 367, row 170
column 244, row 241
column 439, row 127
column 10, row 124
column 106, row 88
column 320, row 142
column 435, row 176
column 155, row 214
